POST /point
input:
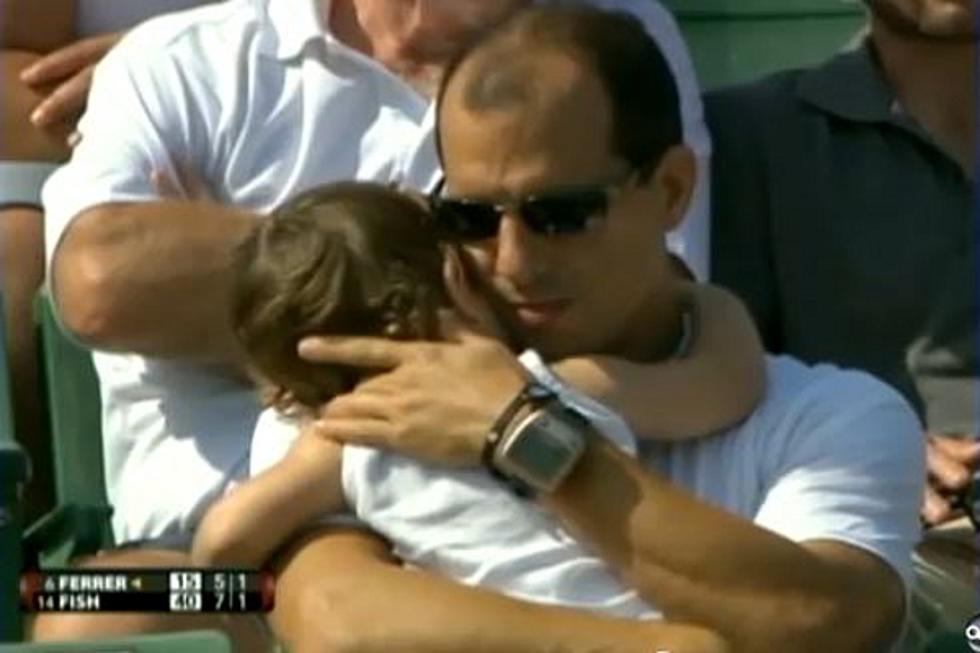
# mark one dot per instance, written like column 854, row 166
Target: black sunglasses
column 559, row 212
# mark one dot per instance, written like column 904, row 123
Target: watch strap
column 532, row 393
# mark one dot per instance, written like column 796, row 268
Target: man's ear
column 672, row 183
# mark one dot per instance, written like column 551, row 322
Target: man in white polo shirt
column 254, row 100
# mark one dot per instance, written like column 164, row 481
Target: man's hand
column 951, row 462
column 184, row 183
column 70, row 68
column 432, row 401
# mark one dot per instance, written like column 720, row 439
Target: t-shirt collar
column 853, row 87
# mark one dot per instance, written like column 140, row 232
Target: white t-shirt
column 828, row 455
column 253, row 96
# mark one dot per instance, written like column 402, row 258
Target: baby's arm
column 715, row 386
column 248, row 525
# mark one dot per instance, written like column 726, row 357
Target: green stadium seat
column 75, row 411
column 734, row 41
column 192, row 641
column 13, row 476
column 79, row 523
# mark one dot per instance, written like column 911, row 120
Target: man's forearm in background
column 342, row 591
column 37, row 26
column 151, row 278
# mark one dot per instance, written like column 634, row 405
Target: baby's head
column 348, row 258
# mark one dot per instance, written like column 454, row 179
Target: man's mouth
column 543, row 313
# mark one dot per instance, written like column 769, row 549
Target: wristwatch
column 536, row 441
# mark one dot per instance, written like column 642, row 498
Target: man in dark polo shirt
column 843, row 216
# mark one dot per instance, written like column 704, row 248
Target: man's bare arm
column 341, row 591
column 29, row 29
column 698, row 563
column 704, row 565
column 151, row 278
column 246, row 526
column 715, row 386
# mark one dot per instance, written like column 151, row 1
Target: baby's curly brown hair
column 349, row 258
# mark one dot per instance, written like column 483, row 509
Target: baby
column 362, row 259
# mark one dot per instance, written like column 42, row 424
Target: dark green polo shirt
column 849, row 232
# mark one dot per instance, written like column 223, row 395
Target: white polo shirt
column 255, row 97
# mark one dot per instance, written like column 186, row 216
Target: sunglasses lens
column 467, row 220
column 565, row 213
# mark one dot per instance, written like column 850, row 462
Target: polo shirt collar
column 293, row 24
column 853, row 87
column 850, row 86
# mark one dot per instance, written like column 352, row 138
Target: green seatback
column 947, row 642
column 192, row 641
column 79, row 523
column 75, row 411
column 7, row 426
column 13, row 475
column 734, row 41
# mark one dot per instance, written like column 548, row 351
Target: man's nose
column 518, row 255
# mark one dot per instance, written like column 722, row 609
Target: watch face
column 542, row 449
column 538, row 451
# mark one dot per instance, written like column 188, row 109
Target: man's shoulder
column 793, row 384
column 823, row 403
column 184, row 53
column 782, row 101
column 197, row 32
column 758, row 100
column 820, row 414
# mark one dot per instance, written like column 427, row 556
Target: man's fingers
column 357, row 405
column 376, row 353
column 964, row 450
column 454, row 328
column 181, row 184
column 65, row 102
column 935, row 509
column 194, row 187
column 68, row 60
column 381, row 385
column 166, row 186
column 364, row 432
column 947, row 472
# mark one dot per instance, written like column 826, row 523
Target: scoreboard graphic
column 147, row 590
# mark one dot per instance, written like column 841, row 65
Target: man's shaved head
column 501, row 72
